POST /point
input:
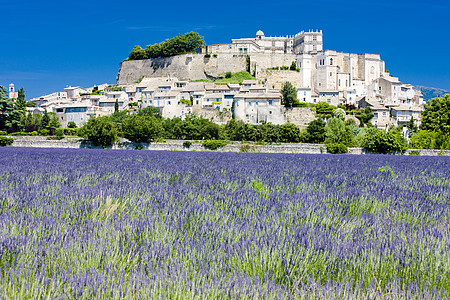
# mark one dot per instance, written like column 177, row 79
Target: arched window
column 331, row 61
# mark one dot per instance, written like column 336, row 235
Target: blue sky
column 47, row 45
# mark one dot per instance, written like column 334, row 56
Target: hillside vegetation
column 235, row 78
column 181, row 44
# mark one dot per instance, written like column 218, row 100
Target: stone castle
column 318, row 75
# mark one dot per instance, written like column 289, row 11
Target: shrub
column 246, row 148
column 379, row 141
column 141, row 129
column 228, row 75
column 71, row 124
column 3, row 132
column 414, row 152
column 44, row 132
column 100, row 131
column 337, row 148
column 59, row 133
column 215, row 55
column 4, row 141
column 187, row 144
column 214, row 144
column 159, row 140
column 207, row 55
column 71, row 131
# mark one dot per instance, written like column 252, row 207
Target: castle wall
column 184, row 67
column 264, row 61
column 276, row 78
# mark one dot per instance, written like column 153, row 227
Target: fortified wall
column 198, row 66
column 184, row 67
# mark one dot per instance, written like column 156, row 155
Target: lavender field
column 102, row 224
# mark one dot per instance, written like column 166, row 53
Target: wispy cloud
column 114, row 22
column 172, row 28
column 152, row 28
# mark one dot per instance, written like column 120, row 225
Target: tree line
column 185, row 43
column 15, row 120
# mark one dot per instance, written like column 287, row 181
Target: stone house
column 258, row 108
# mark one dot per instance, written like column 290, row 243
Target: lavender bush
column 138, row 224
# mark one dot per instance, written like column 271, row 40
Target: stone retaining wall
column 177, row 145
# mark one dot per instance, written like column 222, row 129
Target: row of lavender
column 140, row 224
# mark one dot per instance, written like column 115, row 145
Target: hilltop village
column 196, row 83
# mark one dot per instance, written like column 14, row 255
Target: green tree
column 211, row 131
column 54, row 121
column 412, row 127
column 153, row 51
column 45, row 119
column 324, row 110
column 337, row 133
column 116, row 105
column 272, row 133
column 141, row 129
column 290, row 133
column 118, row 118
column 364, row 117
column 425, row 139
column 316, row 131
column 151, row 111
column 11, row 117
column 436, row 116
column 100, row 131
column 185, row 43
column 3, row 93
column 339, row 113
column 289, row 95
column 71, row 124
column 381, row 141
column 20, row 101
column 137, row 53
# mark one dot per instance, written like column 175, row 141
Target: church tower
column 12, row 92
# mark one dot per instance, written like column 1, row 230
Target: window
column 196, row 102
column 168, row 102
column 331, row 61
column 270, row 112
column 328, row 100
column 375, row 115
column 331, row 74
column 384, row 114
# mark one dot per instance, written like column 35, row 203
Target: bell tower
column 12, row 92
